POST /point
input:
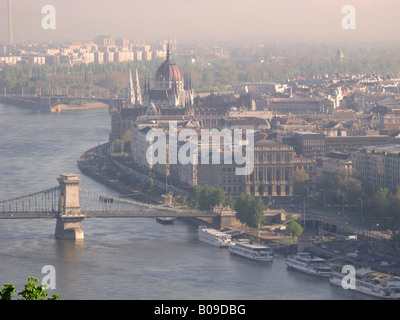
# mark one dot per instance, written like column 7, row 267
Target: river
column 121, row 258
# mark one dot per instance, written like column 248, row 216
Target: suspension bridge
column 70, row 204
column 47, row 103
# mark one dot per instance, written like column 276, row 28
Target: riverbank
column 94, row 165
column 100, row 166
column 74, row 107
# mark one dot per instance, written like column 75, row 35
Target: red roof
column 168, row 71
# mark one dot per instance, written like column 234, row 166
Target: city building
column 391, row 120
column 274, row 164
column 332, row 162
column 179, row 173
column 348, row 144
column 273, row 170
column 298, row 105
column 257, row 89
column 305, row 143
column 379, row 166
column 169, row 95
column 211, row 110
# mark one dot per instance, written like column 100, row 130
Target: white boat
column 305, row 262
column 369, row 282
column 251, row 250
column 165, row 220
column 213, row 237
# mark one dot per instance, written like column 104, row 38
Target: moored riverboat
column 213, row 237
column 251, row 250
column 305, row 262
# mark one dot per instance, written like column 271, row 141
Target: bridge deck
column 108, row 214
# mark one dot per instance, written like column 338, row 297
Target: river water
column 121, row 258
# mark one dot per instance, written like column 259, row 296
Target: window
column 278, row 174
column 269, row 174
column 260, row 174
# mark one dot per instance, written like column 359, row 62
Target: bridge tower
column 69, row 219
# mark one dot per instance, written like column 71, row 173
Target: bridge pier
column 69, row 229
column 69, row 220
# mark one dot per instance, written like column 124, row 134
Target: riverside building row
column 274, row 163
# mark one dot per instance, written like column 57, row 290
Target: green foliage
column 31, row 291
column 339, row 184
column 354, row 190
column 207, row 197
column 290, row 217
column 335, row 184
column 301, row 179
column 181, row 200
column 249, row 210
column 117, row 146
column 394, row 209
column 381, row 201
column 381, row 205
column 294, row 229
column 7, row 291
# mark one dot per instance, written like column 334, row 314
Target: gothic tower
column 134, row 96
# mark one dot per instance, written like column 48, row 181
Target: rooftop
column 385, row 148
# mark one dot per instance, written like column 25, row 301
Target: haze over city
column 195, row 20
column 226, row 149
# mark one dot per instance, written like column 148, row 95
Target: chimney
column 10, row 36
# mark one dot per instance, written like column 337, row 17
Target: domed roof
column 168, row 71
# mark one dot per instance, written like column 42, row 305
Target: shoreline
column 90, row 163
column 74, row 107
column 88, row 166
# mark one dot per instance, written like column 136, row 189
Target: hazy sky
column 189, row 20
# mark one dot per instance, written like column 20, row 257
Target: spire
column 130, row 79
column 131, row 92
column 138, row 95
column 168, row 51
column 146, row 94
column 145, row 86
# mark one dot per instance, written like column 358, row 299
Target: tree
column 31, row 291
column 300, row 179
column 294, row 229
column 383, row 201
column 7, row 292
column 354, row 190
column 249, row 210
column 394, row 210
column 290, row 217
column 207, row 197
column 335, row 182
column 118, row 146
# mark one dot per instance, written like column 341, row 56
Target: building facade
column 168, row 93
column 379, row 166
column 274, row 164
